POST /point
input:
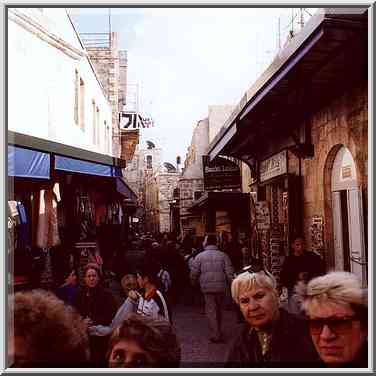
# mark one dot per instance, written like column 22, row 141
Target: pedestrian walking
column 302, row 266
column 212, row 270
column 144, row 342
column 271, row 336
column 337, row 310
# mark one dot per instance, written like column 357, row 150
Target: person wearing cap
column 271, row 336
column 212, row 270
column 337, row 310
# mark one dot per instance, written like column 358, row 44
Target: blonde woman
column 337, row 308
column 270, row 337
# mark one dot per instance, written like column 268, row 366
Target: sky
column 181, row 60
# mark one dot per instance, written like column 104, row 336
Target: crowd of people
column 324, row 324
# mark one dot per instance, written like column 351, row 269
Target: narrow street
column 192, row 329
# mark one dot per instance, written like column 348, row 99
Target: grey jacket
column 213, row 269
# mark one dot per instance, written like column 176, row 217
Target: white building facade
column 53, row 91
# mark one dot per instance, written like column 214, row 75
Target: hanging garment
column 48, row 231
column 23, row 227
column 46, row 278
column 13, row 211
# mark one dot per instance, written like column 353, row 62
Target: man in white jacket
column 213, row 270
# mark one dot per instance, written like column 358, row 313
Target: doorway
column 349, row 249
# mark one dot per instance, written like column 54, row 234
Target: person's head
column 211, row 239
column 129, row 283
column 297, row 245
column 92, row 275
column 257, row 297
column 147, row 274
column 47, row 332
column 144, row 342
column 155, row 245
column 337, row 309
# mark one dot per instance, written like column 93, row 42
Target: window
column 106, row 136
column 76, row 96
column 97, row 117
column 82, row 104
column 197, row 194
column 95, row 124
column 149, row 162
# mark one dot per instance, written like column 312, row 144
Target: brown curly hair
column 54, row 333
column 157, row 337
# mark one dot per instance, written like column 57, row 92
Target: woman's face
column 336, row 332
column 91, row 278
column 259, row 305
column 128, row 353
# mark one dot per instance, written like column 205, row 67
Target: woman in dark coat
column 271, row 337
column 98, row 307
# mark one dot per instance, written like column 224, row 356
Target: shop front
column 65, row 207
column 293, row 129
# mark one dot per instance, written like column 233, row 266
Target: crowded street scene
column 187, row 188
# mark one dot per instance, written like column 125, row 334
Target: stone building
column 191, row 183
column 110, row 64
column 302, row 129
column 167, row 183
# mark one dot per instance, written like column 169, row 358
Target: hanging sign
column 221, row 173
column 273, row 166
column 134, row 120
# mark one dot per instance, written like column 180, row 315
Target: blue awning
column 28, row 163
column 85, row 167
column 123, row 188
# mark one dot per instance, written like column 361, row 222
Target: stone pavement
column 192, row 329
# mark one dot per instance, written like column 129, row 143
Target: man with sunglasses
column 337, row 311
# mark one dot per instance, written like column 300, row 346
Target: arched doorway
column 349, row 250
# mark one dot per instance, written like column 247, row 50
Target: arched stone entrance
column 344, row 213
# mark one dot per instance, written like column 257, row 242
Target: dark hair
column 157, row 337
column 212, row 239
column 54, row 332
column 295, row 237
column 150, row 269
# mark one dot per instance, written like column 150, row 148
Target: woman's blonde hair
column 247, row 280
column 335, row 287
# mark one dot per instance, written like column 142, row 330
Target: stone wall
column 342, row 122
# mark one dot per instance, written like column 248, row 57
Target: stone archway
column 328, row 228
column 344, row 213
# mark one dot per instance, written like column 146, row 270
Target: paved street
column 192, row 329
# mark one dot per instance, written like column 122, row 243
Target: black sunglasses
column 337, row 325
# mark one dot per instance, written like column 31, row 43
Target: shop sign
column 273, row 166
column 262, row 215
column 221, row 174
column 317, row 230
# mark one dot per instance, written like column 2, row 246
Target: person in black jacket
column 271, row 336
column 301, row 265
column 97, row 306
